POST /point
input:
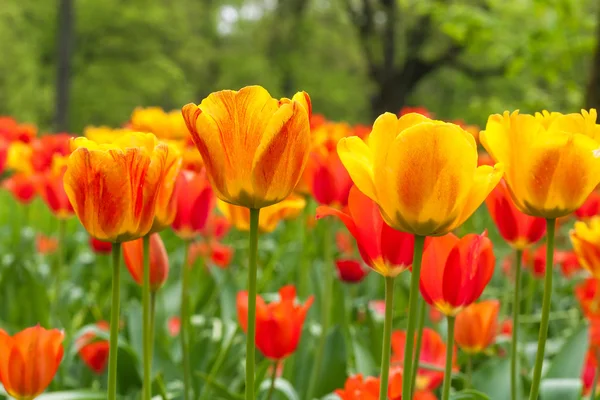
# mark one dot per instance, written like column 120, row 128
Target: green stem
column 152, row 322
column 417, row 357
column 594, row 382
column 546, row 302
column 412, row 314
column 147, row 381
column 250, row 339
column 326, row 298
column 515, row 337
column 114, row 322
column 60, row 254
column 387, row 337
column 304, row 270
column 185, row 323
column 449, row 355
column 273, row 378
column 469, row 370
column 531, row 289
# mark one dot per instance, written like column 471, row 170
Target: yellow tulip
column 551, row 160
column 422, row 173
column 166, row 206
column 165, row 125
column 254, row 147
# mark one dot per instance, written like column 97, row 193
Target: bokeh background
column 65, row 64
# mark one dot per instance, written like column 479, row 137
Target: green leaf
column 220, row 388
column 568, row 363
column 469, row 394
column 281, row 385
column 492, row 378
column 333, row 370
column 560, row 389
column 73, row 395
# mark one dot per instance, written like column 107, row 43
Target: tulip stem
column 114, row 322
column 326, row 299
column 546, row 302
column 515, row 329
column 531, row 287
column 594, row 382
column 412, row 315
column 250, row 338
column 417, row 356
column 469, row 370
column 146, row 334
column 387, row 337
column 449, row 356
column 273, row 379
column 185, row 323
column 60, row 253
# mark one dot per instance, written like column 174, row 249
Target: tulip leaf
column 219, row 388
column 73, row 395
column 333, row 369
column 281, row 385
column 491, row 378
column 568, row 362
column 560, row 389
column 469, row 394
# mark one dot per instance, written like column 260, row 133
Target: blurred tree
column 64, row 45
column 592, row 99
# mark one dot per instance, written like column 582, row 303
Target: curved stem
column 412, row 314
column 273, row 378
column 546, row 302
column 114, row 322
column 417, row 356
column 515, row 337
column 250, row 339
column 147, row 381
column 326, row 298
column 185, row 323
column 387, row 337
column 449, row 355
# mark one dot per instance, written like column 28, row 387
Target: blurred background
column 65, row 64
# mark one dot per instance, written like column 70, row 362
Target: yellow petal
column 358, row 161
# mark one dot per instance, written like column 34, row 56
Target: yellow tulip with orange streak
column 269, row 216
column 422, row 173
column 551, row 160
column 254, row 147
column 585, row 237
column 166, row 206
column 114, row 187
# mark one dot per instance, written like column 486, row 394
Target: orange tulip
column 114, row 188
column 195, row 202
column 587, row 294
column 94, row 352
column 267, row 143
column 433, row 352
column 359, row 388
column 387, row 251
column 133, row 252
column 45, row 244
column 455, row 271
column 477, row 326
column 585, row 238
column 21, row 186
column 11, row 130
column 269, row 216
column 29, row 360
column 46, row 148
column 278, row 324
column 165, row 125
column 51, row 188
column 166, row 202
column 518, row 229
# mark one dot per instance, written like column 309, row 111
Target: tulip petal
column 358, row 160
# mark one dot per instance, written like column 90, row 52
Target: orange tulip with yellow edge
column 254, row 147
column 114, row 187
column 477, row 326
column 269, row 216
column 552, row 161
column 585, row 237
column 166, row 203
column 422, row 173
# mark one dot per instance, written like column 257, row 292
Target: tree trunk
column 64, row 44
column 592, row 98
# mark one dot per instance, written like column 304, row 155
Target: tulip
column 195, row 201
column 350, row 271
column 415, row 110
column 29, row 360
column 359, row 388
column 45, row 244
column 278, row 324
column 589, row 374
column 99, row 246
column 331, row 183
column 51, row 189
column 587, row 294
column 11, row 130
column 45, row 149
column 93, row 351
column 19, row 157
column 165, row 125
column 268, row 141
column 517, row 229
column 3, row 154
column 220, row 254
column 569, row 263
column 585, row 238
column 384, row 249
column 552, row 166
column 104, row 134
column 159, row 261
column 114, row 187
column 433, row 352
column 174, row 326
column 477, row 326
column 590, row 207
column 166, row 202
column 22, row 187
column 269, row 217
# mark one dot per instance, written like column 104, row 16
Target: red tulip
column 174, row 326
column 455, row 271
column 46, row 147
column 350, row 271
column 589, row 372
column 587, row 294
column 94, row 351
column 11, row 130
column 99, row 246
column 278, row 324
column 359, row 388
column 506, row 327
column 331, row 182
column 433, row 352
column 195, row 202
column 21, row 186
column 133, row 252
column 518, row 229
column 477, row 326
column 219, row 253
column 387, row 251
column 569, row 263
column 590, row 207
column 49, row 185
